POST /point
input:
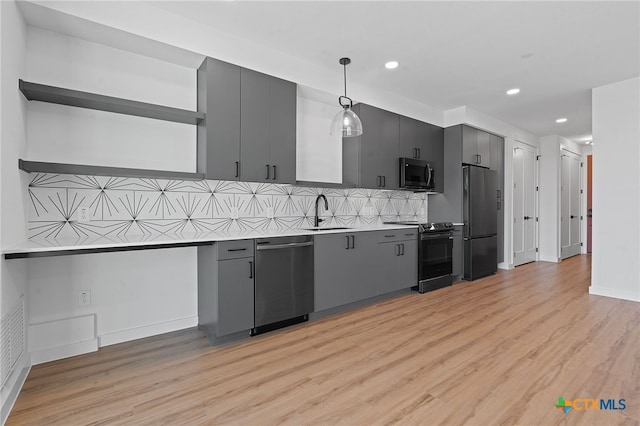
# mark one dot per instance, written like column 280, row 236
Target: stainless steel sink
column 329, row 228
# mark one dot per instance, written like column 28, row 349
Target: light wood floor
column 500, row 350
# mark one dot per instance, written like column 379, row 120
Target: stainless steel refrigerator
column 480, row 217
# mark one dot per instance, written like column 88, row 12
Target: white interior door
column 524, row 204
column 570, row 237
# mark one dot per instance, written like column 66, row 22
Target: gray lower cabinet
column 250, row 130
column 225, row 288
column 398, row 265
column 344, row 268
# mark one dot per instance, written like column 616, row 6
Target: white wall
column 466, row 115
column 550, row 180
column 318, row 154
column 13, row 281
column 586, row 151
column 549, row 199
column 143, row 21
column 76, row 135
column 133, row 294
column 616, row 190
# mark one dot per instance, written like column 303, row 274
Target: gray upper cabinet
column 479, row 148
column 283, row 131
column 469, row 145
column 344, row 268
column 416, row 139
column 435, row 155
column 255, row 141
column 370, row 160
column 484, row 149
column 251, row 132
column 219, row 135
column 409, row 139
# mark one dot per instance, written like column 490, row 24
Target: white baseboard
column 549, row 259
column 505, row 265
column 64, row 351
column 615, row 293
column 127, row 335
column 12, row 396
column 62, row 338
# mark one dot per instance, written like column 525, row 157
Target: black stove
column 427, row 227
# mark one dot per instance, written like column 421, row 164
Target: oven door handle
column 436, row 237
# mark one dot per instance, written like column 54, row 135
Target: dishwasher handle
column 284, row 246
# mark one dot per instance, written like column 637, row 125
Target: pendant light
column 346, row 122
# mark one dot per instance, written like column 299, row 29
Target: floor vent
column 12, row 341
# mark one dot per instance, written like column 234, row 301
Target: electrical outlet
column 270, row 213
column 234, row 213
column 84, row 297
column 83, row 214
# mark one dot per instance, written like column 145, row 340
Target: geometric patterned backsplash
column 120, row 206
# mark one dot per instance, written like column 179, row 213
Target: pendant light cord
column 345, row 79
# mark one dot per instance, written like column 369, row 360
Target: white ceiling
column 454, row 53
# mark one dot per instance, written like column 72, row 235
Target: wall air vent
column 12, row 340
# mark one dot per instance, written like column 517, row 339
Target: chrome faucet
column 316, row 220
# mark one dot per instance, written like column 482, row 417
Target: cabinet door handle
column 419, row 153
column 397, row 249
column 415, row 152
column 237, row 169
column 402, row 248
column 379, row 181
column 274, row 172
column 409, row 235
column 389, row 236
column 267, row 172
column 238, row 249
column 479, row 159
column 353, row 241
column 384, row 181
column 250, row 269
column 348, row 247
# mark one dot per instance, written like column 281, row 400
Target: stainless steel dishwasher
column 283, row 282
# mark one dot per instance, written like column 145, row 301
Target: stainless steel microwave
column 416, row 174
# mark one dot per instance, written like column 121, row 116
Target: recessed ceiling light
column 561, row 120
column 513, row 91
column 391, row 65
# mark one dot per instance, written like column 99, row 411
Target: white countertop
column 101, row 244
